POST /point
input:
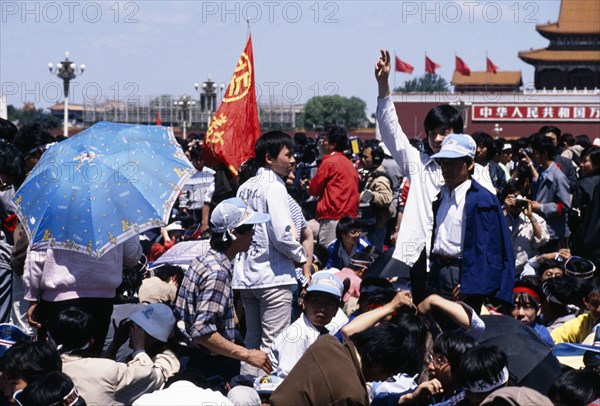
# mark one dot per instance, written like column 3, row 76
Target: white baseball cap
column 156, row 319
column 457, row 146
column 233, row 213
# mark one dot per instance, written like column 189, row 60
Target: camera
column 525, row 152
column 522, row 203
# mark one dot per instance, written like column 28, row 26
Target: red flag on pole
column 430, row 66
column 234, row 129
column 462, row 68
column 490, row 66
column 158, row 119
column 402, row 66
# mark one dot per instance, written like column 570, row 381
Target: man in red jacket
column 335, row 184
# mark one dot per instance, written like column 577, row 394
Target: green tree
column 428, row 83
column 324, row 111
column 32, row 115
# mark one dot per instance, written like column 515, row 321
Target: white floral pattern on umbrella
column 102, row 186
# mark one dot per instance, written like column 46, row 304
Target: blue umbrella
column 101, row 187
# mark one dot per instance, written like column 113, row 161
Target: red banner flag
column 430, row 66
column 490, row 66
column 402, row 66
column 462, row 68
column 234, row 129
column 158, row 119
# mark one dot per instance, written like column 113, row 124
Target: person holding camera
column 528, row 230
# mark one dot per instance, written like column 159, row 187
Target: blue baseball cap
column 457, row 146
column 326, row 283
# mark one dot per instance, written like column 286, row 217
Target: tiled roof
column 576, row 17
column 488, row 78
column 560, row 56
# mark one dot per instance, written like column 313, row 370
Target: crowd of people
column 456, row 270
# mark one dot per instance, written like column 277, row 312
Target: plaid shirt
column 205, row 298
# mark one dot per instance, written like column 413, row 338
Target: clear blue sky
column 301, row 49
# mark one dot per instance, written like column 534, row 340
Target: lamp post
column 66, row 70
column 208, row 97
column 184, row 103
column 497, row 130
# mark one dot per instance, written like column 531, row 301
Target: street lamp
column 184, row 103
column 208, row 97
column 497, row 130
column 66, row 70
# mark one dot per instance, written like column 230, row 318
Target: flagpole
column 394, row 71
column 249, row 31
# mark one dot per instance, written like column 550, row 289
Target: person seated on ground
column 375, row 292
column 564, row 298
column 575, row 388
column 170, row 235
column 528, row 297
column 337, row 374
column 576, row 330
column 348, row 241
column 482, row 370
column 550, row 268
column 53, row 388
column 442, row 365
column 320, row 305
column 106, row 382
column 459, row 314
column 24, row 363
column 162, row 287
column 354, row 272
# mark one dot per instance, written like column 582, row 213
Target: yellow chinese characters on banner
column 240, row 83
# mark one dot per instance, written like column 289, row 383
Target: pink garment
column 55, row 275
column 355, row 282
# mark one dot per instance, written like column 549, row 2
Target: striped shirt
column 205, row 298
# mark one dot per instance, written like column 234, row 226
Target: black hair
column 452, row 345
column 377, row 153
column 29, row 361
column 195, row 153
column 32, row 136
column 543, row 144
column 338, row 136
column 72, row 328
column 550, row 129
column 51, row 389
column 8, row 130
column 12, row 163
column 482, row 362
column 248, row 170
column 550, row 264
column 167, row 271
column 594, row 155
column 583, row 140
column 594, row 287
column 566, row 290
column 393, row 347
column 222, row 244
column 442, row 115
column 575, row 388
column 271, row 143
column 509, row 189
column 485, row 140
column 322, row 253
column 345, row 225
column 568, row 139
column 523, row 298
